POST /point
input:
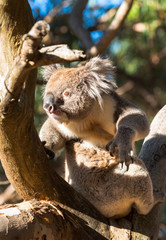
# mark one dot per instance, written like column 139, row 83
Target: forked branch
column 76, row 24
column 113, row 28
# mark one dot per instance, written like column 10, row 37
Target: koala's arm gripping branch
column 136, row 120
column 132, row 125
column 49, row 134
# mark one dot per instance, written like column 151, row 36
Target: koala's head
column 71, row 92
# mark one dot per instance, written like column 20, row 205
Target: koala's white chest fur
column 97, row 128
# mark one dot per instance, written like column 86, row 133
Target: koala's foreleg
column 132, row 125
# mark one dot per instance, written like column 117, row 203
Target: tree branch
column 32, row 57
column 58, row 54
column 75, row 23
column 42, row 220
column 134, row 226
column 113, row 29
column 53, row 14
column 9, row 195
column 83, row 35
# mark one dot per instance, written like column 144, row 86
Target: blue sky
column 41, row 8
column 44, row 6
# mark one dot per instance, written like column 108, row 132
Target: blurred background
column 137, row 49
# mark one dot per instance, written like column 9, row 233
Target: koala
column 81, row 103
column 98, row 129
column 112, row 190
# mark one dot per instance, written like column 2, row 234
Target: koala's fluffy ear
column 49, row 70
column 99, row 77
column 102, row 70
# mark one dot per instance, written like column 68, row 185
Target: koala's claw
column 132, row 159
column 121, row 165
column 125, row 155
column 108, row 146
column 111, row 147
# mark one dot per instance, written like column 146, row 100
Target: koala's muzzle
column 50, row 103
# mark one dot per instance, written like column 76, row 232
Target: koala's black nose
column 49, row 103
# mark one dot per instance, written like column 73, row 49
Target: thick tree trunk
column 24, row 159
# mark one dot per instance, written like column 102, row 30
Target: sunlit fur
column 99, row 74
column 49, row 70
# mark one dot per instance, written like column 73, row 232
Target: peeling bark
column 42, row 220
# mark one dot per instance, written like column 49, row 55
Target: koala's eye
column 66, row 94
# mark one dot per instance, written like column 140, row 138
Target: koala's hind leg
column 144, row 207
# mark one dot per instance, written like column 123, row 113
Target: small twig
column 32, row 41
column 129, row 85
column 107, row 16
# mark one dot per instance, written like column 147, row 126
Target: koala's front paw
column 122, row 151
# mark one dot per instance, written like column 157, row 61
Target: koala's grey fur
column 112, row 190
column 81, row 103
